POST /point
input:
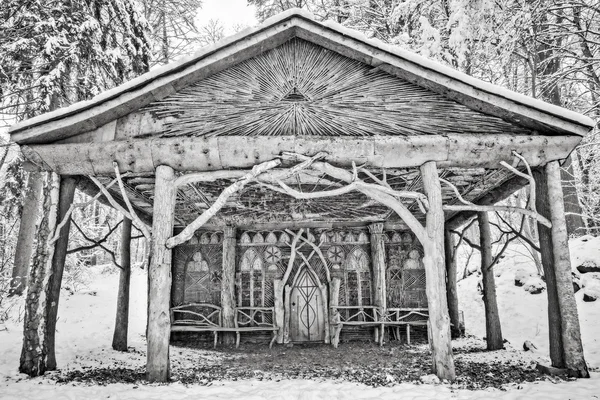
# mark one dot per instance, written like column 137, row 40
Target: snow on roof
column 421, row 61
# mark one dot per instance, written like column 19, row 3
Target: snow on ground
column 85, row 333
column 525, row 316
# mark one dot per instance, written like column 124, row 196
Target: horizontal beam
column 388, row 226
column 492, row 197
column 234, row 152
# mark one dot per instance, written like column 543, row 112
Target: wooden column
column 334, row 295
column 27, row 232
column 545, row 237
column 570, row 331
column 34, row 353
column 378, row 258
column 278, row 300
column 493, row 330
column 119, row 342
column 452, row 292
column 159, row 276
column 435, row 274
column 67, row 192
column 228, row 283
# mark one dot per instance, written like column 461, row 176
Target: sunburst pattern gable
column 300, row 88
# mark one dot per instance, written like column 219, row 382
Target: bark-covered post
column 228, row 283
column 435, row 274
column 27, row 232
column 119, row 341
column 378, row 259
column 542, row 203
column 159, row 324
column 493, row 329
column 67, row 192
column 34, row 353
column 452, row 292
column 570, row 331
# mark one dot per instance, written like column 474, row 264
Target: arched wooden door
column 307, row 320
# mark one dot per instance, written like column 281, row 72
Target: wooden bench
column 353, row 316
column 397, row 317
column 197, row 317
column 254, row 319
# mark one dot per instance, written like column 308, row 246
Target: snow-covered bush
column 534, row 285
column 522, row 275
column 591, row 291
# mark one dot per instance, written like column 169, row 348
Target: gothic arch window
column 251, row 280
column 201, row 284
column 358, row 278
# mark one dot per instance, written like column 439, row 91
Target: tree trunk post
column 435, row 274
column 573, row 218
column 119, row 342
column 67, row 192
column 493, row 329
column 570, row 331
column 228, row 283
column 159, row 274
column 378, row 259
column 542, row 204
column 452, row 292
column 34, row 352
column 27, row 232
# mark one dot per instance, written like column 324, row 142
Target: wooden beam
column 435, row 275
column 495, row 195
column 159, row 276
column 571, row 334
column 493, row 330
column 231, row 152
column 228, row 283
column 88, row 187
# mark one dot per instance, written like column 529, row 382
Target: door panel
column 307, row 320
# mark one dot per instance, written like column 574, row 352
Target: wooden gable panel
column 302, row 89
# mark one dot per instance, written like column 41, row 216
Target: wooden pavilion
column 299, row 176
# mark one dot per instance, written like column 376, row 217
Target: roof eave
column 155, row 85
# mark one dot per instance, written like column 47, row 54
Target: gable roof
column 155, row 85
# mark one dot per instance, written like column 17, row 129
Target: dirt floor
column 360, row 362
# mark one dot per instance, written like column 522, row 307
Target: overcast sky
column 229, row 12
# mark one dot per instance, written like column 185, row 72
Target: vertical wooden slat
column 228, row 282
column 435, row 272
column 571, row 334
column 159, row 326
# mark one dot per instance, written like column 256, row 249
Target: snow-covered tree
column 173, row 30
column 56, row 52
